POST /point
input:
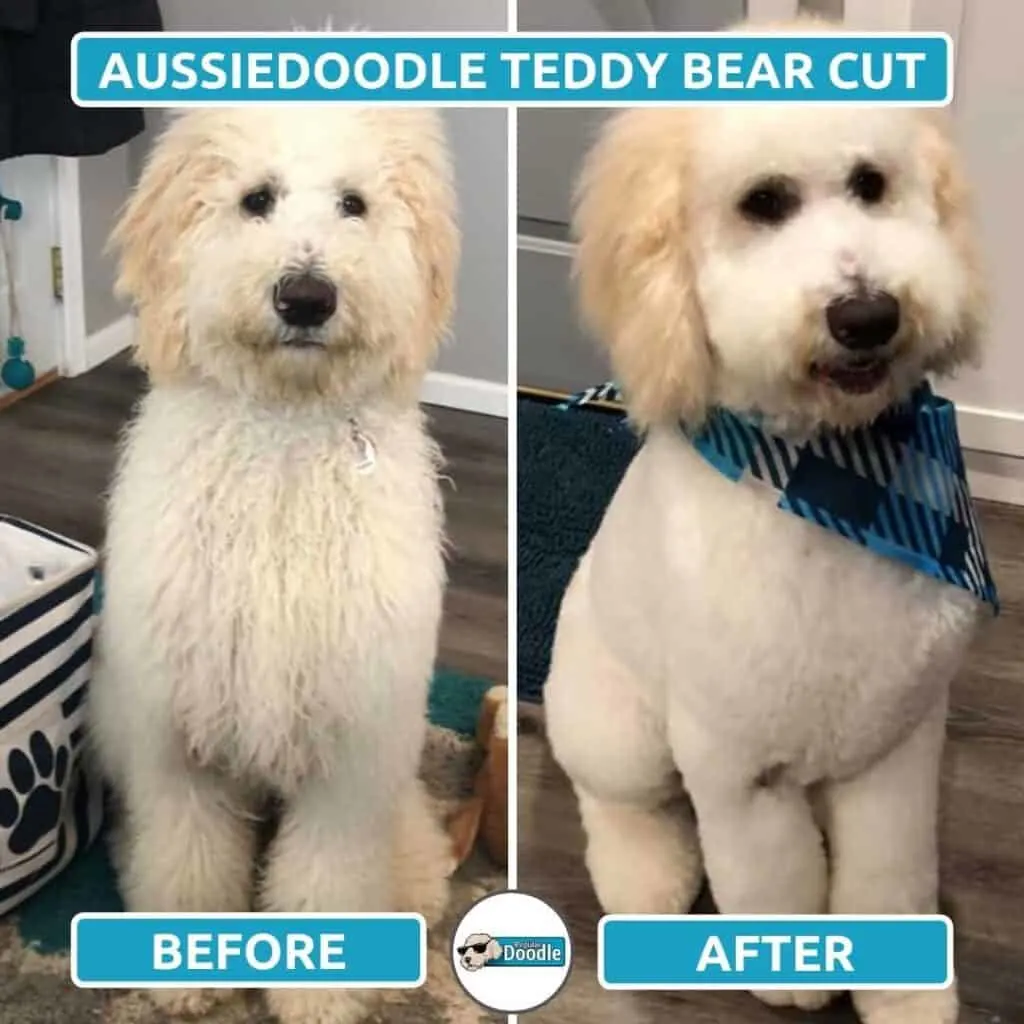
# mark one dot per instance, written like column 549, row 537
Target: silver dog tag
column 366, row 448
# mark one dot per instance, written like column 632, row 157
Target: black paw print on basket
column 30, row 807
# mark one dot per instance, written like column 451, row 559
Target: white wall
column 479, row 348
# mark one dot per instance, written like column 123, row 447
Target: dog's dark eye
column 867, row 183
column 259, row 202
column 353, row 205
column 770, row 202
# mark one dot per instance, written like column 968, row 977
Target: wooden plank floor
column 982, row 838
column 57, row 451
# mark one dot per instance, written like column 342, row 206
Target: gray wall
column 479, row 347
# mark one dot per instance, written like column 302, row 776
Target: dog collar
column 897, row 487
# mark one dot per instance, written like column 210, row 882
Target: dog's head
column 282, row 251
column 811, row 264
column 478, row 950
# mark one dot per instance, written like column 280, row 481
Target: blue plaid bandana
column 897, row 487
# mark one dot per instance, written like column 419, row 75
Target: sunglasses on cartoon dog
column 477, row 947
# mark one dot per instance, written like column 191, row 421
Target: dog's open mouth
column 855, row 377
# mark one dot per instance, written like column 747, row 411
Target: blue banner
column 248, row 950
column 724, row 952
column 175, row 69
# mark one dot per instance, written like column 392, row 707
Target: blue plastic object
column 10, row 209
column 17, row 372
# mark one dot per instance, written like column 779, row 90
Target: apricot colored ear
column 636, row 280
column 954, row 209
column 147, row 238
column 424, row 181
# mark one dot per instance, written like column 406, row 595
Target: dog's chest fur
column 289, row 598
column 813, row 654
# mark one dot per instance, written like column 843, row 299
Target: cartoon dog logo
column 478, row 951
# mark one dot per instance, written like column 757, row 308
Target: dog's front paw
column 424, row 859
column 940, row 1006
column 319, row 1006
column 652, row 865
column 427, row 896
column 190, row 1003
column 802, row 1000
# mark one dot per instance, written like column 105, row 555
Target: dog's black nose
column 861, row 322
column 305, row 300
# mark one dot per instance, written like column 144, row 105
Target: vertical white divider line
column 513, row 534
column 512, row 192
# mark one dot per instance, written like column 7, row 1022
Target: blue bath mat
column 570, row 463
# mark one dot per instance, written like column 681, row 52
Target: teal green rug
column 88, row 884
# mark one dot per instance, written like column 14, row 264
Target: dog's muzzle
column 305, row 300
column 863, row 323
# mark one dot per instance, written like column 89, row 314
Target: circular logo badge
column 511, row 952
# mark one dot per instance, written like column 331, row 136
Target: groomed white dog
column 274, row 573
column 807, row 267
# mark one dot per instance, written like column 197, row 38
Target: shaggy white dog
column 274, row 572
column 796, row 681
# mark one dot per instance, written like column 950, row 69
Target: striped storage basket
column 49, row 806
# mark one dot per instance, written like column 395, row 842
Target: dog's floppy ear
column 635, row 273
column 424, row 180
column 147, row 237
column 953, row 207
column 493, row 950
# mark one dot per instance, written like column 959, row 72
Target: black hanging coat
column 37, row 114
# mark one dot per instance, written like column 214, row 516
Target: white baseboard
column 466, row 393
column 991, row 430
column 993, row 443
column 108, row 341
column 995, row 477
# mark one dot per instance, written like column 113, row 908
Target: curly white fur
column 272, row 609
column 797, row 682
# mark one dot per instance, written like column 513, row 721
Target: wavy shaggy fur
column 272, row 608
column 797, row 682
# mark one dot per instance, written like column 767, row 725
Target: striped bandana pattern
column 897, row 486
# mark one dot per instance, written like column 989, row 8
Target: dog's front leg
column 185, row 844
column 332, row 854
column 608, row 737
column 763, row 852
column 884, row 844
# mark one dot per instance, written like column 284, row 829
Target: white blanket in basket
column 49, row 806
